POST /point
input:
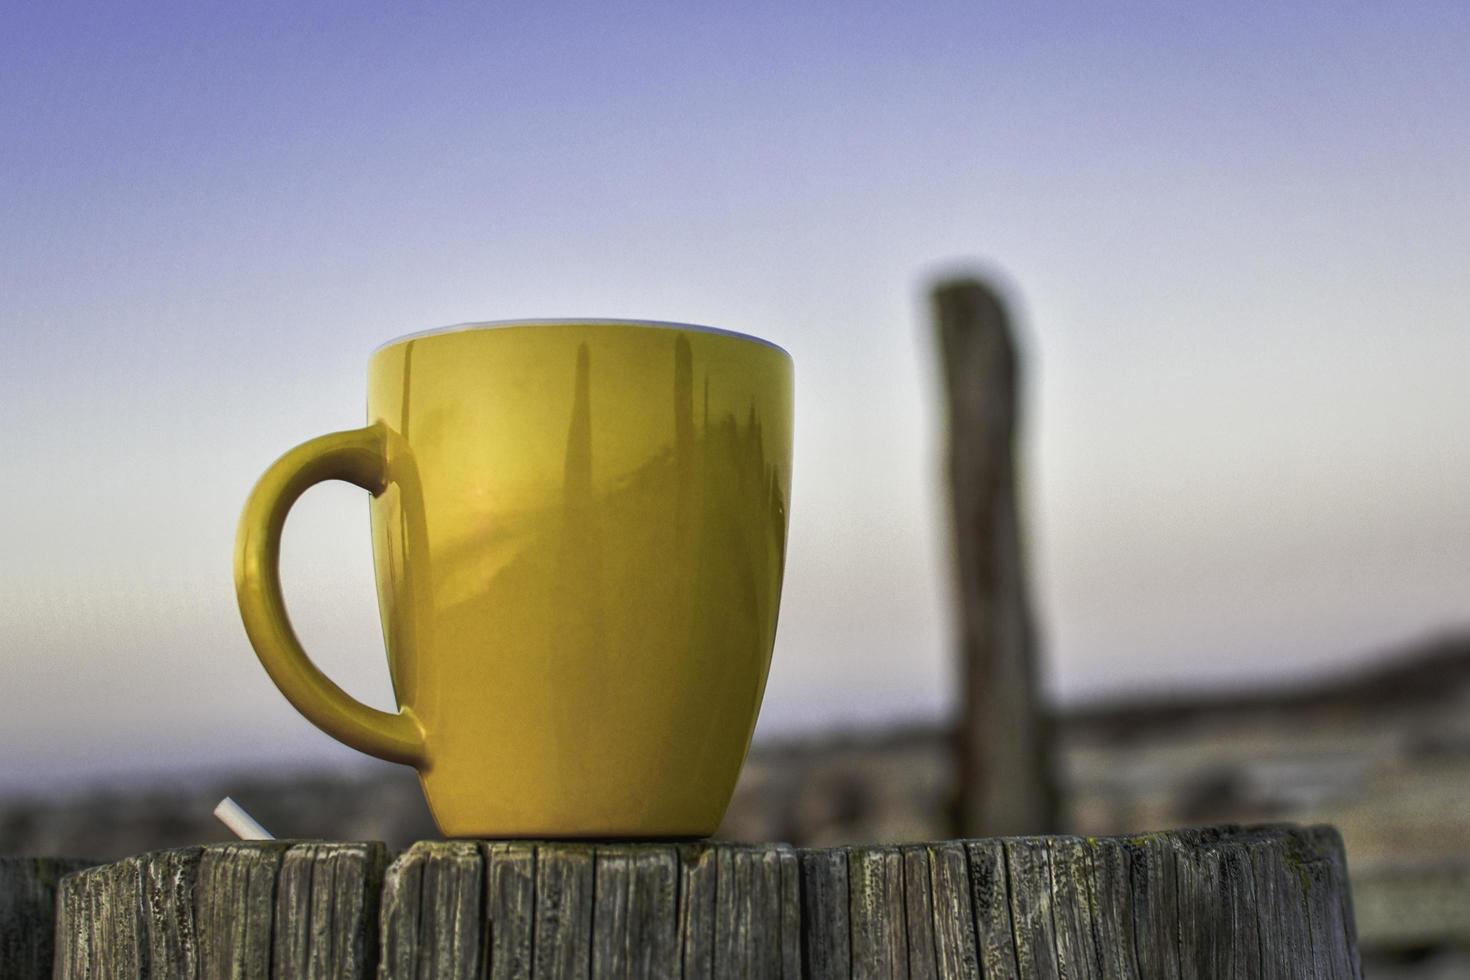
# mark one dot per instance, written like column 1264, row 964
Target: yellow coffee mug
column 579, row 530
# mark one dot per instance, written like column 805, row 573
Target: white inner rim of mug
column 581, row 322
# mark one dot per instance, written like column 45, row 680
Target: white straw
column 242, row 824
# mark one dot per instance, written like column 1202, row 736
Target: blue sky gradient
column 1238, row 241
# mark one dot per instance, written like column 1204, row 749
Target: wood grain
column 432, row 919
column 326, row 914
column 510, row 909
column 826, row 937
column 564, row 903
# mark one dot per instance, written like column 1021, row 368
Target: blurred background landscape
column 1235, row 247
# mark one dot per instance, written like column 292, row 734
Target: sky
column 1236, row 240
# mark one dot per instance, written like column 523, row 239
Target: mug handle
column 356, row 456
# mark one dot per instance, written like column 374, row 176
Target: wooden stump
column 1230, row 902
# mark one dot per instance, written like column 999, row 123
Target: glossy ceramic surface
column 579, row 531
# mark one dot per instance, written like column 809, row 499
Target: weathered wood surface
column 1250, row 903
column 1003, row 742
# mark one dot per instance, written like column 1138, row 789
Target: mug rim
column 598, row 321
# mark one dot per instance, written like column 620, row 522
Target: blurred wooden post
column 1003, row 738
